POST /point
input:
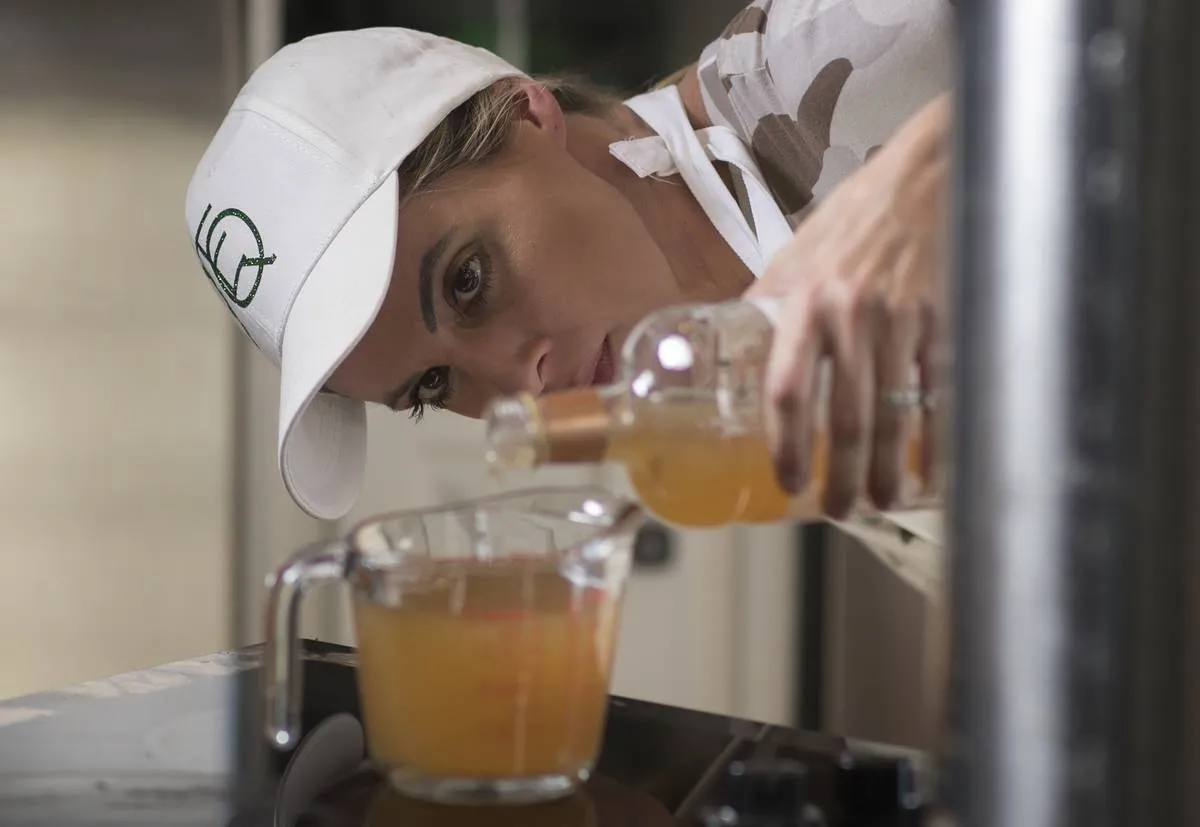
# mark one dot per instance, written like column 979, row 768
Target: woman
column 400, row 219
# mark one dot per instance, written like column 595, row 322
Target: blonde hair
column 479, row 128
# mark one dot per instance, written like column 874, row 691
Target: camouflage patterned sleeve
column 815, row 86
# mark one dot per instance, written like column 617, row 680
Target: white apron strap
column 770, row 224
column 664, row 112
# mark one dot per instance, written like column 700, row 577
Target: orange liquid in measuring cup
column 496, row 670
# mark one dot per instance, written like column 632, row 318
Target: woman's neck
column 706, row 269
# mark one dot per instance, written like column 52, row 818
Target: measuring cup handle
column 283, row 676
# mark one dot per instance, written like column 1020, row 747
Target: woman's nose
column 519, row 371
column 531, row 366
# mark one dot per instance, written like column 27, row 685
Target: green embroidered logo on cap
column 245, row 242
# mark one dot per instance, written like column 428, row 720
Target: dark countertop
column 160, row 746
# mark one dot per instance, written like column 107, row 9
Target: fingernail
column 793, row 476
column 883, row 494
column 785, row 471
column 837, row 504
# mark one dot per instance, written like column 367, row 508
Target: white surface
column 918, row 560
column 928, row 524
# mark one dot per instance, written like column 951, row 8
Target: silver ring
column 907, row 399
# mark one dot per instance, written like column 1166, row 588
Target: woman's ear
column 541, row 110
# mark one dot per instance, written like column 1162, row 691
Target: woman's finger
column 896, row 345
column 790, row 390
column 850, row 415
column 932, row 362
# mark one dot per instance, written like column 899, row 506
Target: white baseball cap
column 293, row 211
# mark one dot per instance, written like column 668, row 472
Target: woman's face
column 521, row 274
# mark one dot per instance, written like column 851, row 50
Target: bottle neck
column 577, row 425
column 573, row 426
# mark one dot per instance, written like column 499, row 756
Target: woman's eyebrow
column 425, row 277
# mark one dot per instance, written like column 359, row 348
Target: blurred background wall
column 115, row 425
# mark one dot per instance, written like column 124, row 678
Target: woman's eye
column 431, row 392
column 468, row 281
column 432, row 385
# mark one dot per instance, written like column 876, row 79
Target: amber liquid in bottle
column 693, row 476
column 681, row 463
column 685, row 421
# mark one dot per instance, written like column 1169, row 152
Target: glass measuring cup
column 485, row 634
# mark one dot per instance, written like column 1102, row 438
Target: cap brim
column 323, row 437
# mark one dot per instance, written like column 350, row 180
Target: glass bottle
column 685, row 418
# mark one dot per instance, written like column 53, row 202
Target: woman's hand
column 862, row 283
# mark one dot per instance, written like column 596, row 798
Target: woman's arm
column 863, row 284
column 845, row 107
column 848, row 118
column 816, row 87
